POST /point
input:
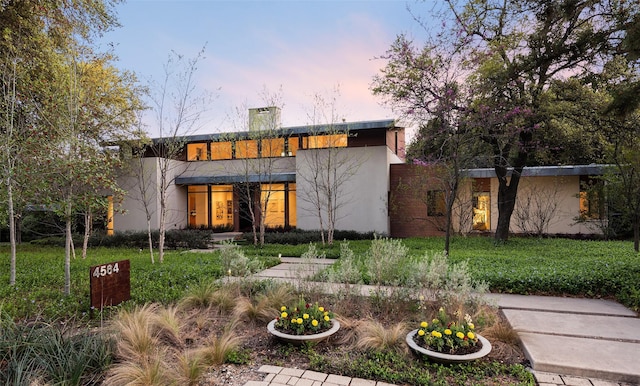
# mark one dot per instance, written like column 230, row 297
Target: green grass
column 40, row 278
column 522, row 265
column 552, row 266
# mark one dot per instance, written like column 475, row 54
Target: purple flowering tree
column 506, row 54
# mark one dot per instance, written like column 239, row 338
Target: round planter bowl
column 299, row 339
column 449, row 358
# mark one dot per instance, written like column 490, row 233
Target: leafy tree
column 34, row 33
column 512, row 51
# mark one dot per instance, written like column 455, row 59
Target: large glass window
column 221, row 151
column 325, row 141
column 198, row 206
column 293, row 143
column 481, row 211
column 292, row 204
column 591, row 202
column 278, row 203
column 196, row 151
column 272, row 147
column 246, row 149
column 222, row 206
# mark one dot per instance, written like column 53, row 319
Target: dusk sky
column 301, row 47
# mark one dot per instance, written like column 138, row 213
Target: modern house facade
column 290, row 176
column 218, row 180
column 551, row 200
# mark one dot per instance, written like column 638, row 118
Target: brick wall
column 407, row 208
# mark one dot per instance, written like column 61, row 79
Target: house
column 550, row 200
column 218, row 180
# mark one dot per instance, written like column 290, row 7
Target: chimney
column 264, row 118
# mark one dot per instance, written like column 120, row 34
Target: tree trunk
column 150, row 239
column 507, row 191
column 67, row 251
column 88, row 220
column 12, row 234
column 636, row 232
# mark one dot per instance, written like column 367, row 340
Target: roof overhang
column 544, row 171
column 237, row 179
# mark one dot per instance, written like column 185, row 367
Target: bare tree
column 260, row 157
column 178, row 107
column 326, row 167
column 536, row 207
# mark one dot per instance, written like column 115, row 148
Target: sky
column 295, row 49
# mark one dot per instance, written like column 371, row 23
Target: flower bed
column 304, row 319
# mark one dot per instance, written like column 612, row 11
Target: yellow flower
column 434, row 321
column 471, row 326
column 460, row 335
column 321, row 309
column 421, row 332
column 283, row 315
column 305, row 316
column 326, row 317
column 326, row 313
column 299, row 320
column 447, row 332
column 283, row 308
column 436, row 334
column 424, row 324
column 314, row 323
column 294, row 321
column 471, row 335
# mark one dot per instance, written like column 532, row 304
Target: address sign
column 110, row 284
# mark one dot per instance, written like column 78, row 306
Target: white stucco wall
column 130, row 215
column 363, row 198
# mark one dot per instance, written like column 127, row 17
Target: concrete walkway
column 568, row 341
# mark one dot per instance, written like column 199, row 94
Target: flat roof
column 236, row 179
column 545, row 171
column 293, row 130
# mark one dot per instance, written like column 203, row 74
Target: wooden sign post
column 110, row 284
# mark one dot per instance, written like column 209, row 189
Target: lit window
column 325, row 141
column 435, row 203
column 293, row 144
column 481, row 211
column 221, row 151
column 246, row 149
column 222, row 206
column 196, row 151
column 198, row 206
column 272, row 147
column 591, row 202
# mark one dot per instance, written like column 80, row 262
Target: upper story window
column 197, row 152
column 261, row 148
column 221, row 151
column 324, row 141
column 247, row 149
column 272, row 147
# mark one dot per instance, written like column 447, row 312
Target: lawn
column 546, row 266
column 551, row 266
column 523, row 265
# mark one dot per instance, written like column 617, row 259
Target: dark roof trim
column 545, row 171
column 254, row 178
column 294, row 130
